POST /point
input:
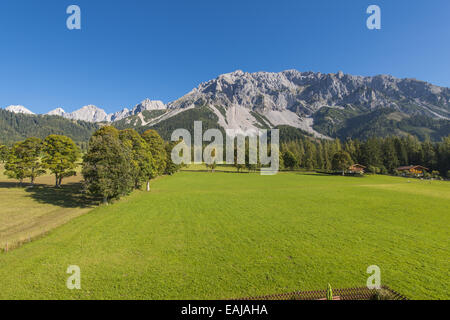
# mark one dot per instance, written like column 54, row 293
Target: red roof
column 357, row 165
column 411, row 167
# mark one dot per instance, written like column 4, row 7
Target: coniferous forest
column 379, row 155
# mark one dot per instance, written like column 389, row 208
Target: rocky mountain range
column 319, row 104
column 293, row 98
column 91, row 113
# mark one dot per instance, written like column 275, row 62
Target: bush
column 374, row 170
column 382, row 294
column 435, row 174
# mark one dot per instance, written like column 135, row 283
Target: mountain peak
column 148, row 104
column 91, row 107
column 56, row 112
column 88, row 113
column 18, row 109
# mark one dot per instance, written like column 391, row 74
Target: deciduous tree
column 24, row 160
column 107, row 166
column 142, row 164
column 171, row 167
column 33, row 148
column 158, row 152
column 60, row 157
column 341, row 161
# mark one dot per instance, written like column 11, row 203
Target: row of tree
column 33, row 157
column 116, row 162
column 380, row 155
column 119, row 161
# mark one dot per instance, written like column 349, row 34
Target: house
column 415, row 170
column 356, row 168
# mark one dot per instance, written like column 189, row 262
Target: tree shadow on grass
column 70, row 195
column 9, row 185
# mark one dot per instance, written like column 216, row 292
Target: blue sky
column 130, row 50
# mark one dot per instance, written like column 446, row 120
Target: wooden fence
column 362, row 293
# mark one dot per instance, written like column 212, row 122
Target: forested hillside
column 352, row 123
column 183, row 120
column 15, row 127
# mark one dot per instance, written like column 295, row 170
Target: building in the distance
column 415, row 170
column 356, row 168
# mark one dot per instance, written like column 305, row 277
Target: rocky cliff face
column 292, row 97
column 306, row 92
column 147, row 104
column 88, row 113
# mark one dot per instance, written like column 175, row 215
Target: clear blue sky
column 129, row 50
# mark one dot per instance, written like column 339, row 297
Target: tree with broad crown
column 24, row 160
column 107, row 165
column 143, row 165
column 158, row 151
column 33, row 148
column 341, row 161
column 60, row 157
column 15, row 166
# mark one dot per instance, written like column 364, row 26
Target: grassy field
column 225, row 235
column 27, row 213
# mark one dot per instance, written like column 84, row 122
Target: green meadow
column 201, row 235
column 28, row 213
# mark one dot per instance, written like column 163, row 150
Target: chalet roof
column 357, row 165
column 411, row 167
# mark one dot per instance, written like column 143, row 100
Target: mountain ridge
column 92, row 113
column 250, row 101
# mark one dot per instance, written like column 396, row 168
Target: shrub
column 374, row 170
column 382, row 294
